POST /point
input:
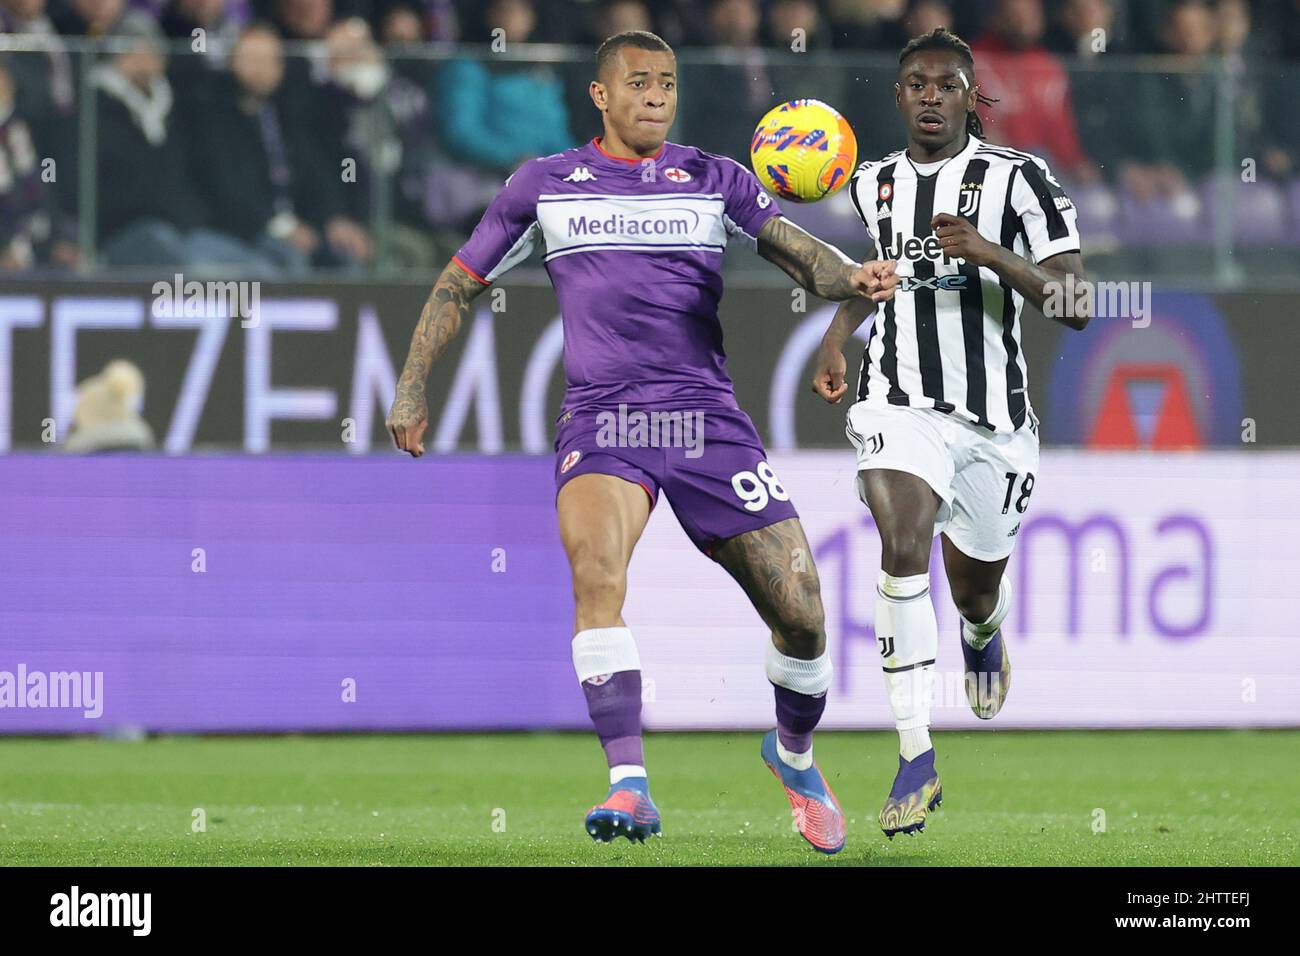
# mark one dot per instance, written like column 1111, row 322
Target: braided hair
column 948, row 42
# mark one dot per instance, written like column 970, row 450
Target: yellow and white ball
column 803, row 151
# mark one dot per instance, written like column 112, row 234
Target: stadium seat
column 1098, row 213
column 1162, row 221
column 1258, row 210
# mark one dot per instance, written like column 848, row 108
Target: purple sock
column 796, row 716
column 615, row 708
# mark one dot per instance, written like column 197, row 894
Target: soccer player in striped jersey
column 634, row 229
column 946, row 441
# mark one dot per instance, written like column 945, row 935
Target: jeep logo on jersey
column 914, row 248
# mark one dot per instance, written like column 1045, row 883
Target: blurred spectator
column 31, row 231
column 208, row 32
column 496, row 113
column 91, row 18
column 619, row 16
column 925, row 16
column 46, row 81
column 796, row 25
column 319, row 101
column 867, row 24
column 356, row 74
column 303, row 19
column 107, row 414
column 408, row 117
column 401, row 25
column 720, row 103
column 1260, row 90
column 1286, row 24
column 1085, row 28
column 259, row 184
column 148, row 213
column 1086, row 32
column 1034, row 110
column 46, row 91
column 1174, row 139
column 218, row 23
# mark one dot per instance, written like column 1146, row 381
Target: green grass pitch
column 1190, row 797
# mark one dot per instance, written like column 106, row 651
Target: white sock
column 625, row 770
column 791, row 759
column 908, row 637
column 977, row 635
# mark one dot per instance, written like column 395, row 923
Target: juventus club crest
column 968, row 201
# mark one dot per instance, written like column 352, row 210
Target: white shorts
column 985, row 480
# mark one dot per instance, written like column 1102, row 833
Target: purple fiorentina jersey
column 634, row 250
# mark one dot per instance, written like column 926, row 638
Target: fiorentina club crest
column 570, row 460
column 677, row 175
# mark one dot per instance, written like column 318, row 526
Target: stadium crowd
column 239, row 153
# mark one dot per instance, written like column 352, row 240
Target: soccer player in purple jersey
column 634, row 229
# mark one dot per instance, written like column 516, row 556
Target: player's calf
column 609, row 669
column 984, row 650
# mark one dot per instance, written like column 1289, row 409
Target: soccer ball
column 803, row 151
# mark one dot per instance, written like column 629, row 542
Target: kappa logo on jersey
column 968, row 200
column 677, row 175
column 570, row 460
column 580, row 174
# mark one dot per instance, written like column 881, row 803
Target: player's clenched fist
column 828, row 376
column 877, row 279
column 961, row 240
column 407, row 420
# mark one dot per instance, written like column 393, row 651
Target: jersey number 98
column 756, row 490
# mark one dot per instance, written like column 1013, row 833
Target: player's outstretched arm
column 821, row 268
column 829, row 366
column 447, row 307
column 1035, row 281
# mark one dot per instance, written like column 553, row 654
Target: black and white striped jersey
column 950, row 337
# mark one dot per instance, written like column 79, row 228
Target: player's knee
column 904, row 551
column 802, row 629
column 598, row 579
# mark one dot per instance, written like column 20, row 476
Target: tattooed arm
column 440, row 320
column 821, row 268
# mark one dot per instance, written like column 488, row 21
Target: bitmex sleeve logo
column 102, row 909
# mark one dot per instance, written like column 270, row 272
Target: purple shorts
column 709, row 462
